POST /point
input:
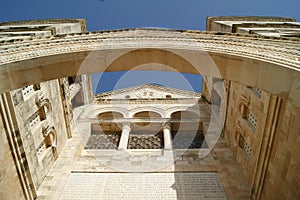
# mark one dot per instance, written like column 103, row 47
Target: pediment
column 148, row 91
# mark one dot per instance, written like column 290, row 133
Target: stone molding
column 270, row 58
column 47, row 21
column 166, row 125
column 147, row 86
column 269, row 49
column 146, row 101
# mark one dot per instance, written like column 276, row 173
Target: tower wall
column 10, row 185
column 262, row 129
column 281, row 180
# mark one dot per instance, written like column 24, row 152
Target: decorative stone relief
column 244, row 102
column 275, row 50
column 50, row 139
column 44, row 102
column 145, row 93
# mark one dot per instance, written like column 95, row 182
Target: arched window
column 110, row 115
column 185, row 115
column 147, row 114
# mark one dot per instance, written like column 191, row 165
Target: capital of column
column 126, row 126
column 167, row 136
column 166, row 125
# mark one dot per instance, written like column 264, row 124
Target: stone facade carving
column 274, row 50
column 50, row 136
column 243, row 104
column 44, row 102
column 153, row 120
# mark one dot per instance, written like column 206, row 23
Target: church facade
column 149, row 113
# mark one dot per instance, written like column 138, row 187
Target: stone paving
column 74, row 158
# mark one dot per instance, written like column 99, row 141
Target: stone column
column 124, row 136
column 167, row 136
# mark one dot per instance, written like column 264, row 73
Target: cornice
column 281, row 51
column 41, row 21
column 148, row 86
column 147, row 101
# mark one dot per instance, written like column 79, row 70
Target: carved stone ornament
column 145, row 93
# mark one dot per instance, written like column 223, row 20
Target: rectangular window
column 256, row 91
column 34, row 119
column 41, row 148
column 29, row 89
column 247, row 149
column 37, row 117
column 26, row 91
column 243, row 144
column 252, row 119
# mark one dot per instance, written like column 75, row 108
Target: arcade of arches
column 244, row 126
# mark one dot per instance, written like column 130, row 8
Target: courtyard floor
column 75, row 159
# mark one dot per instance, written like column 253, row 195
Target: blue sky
column 118, row 80
column 115, row 14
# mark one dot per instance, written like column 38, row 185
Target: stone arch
column 94, row 113
column 141, row 57
column 110, row 115
column 172, row 110
column 146, row 109
column 146, row 114
column 244, row 59
column 183, row 114
column 185, row 119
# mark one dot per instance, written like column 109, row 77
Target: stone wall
column 41, row 150
column 87, row 88
column 282, row 179
column 9, row 180
column 268, row 153
column 243, row 133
